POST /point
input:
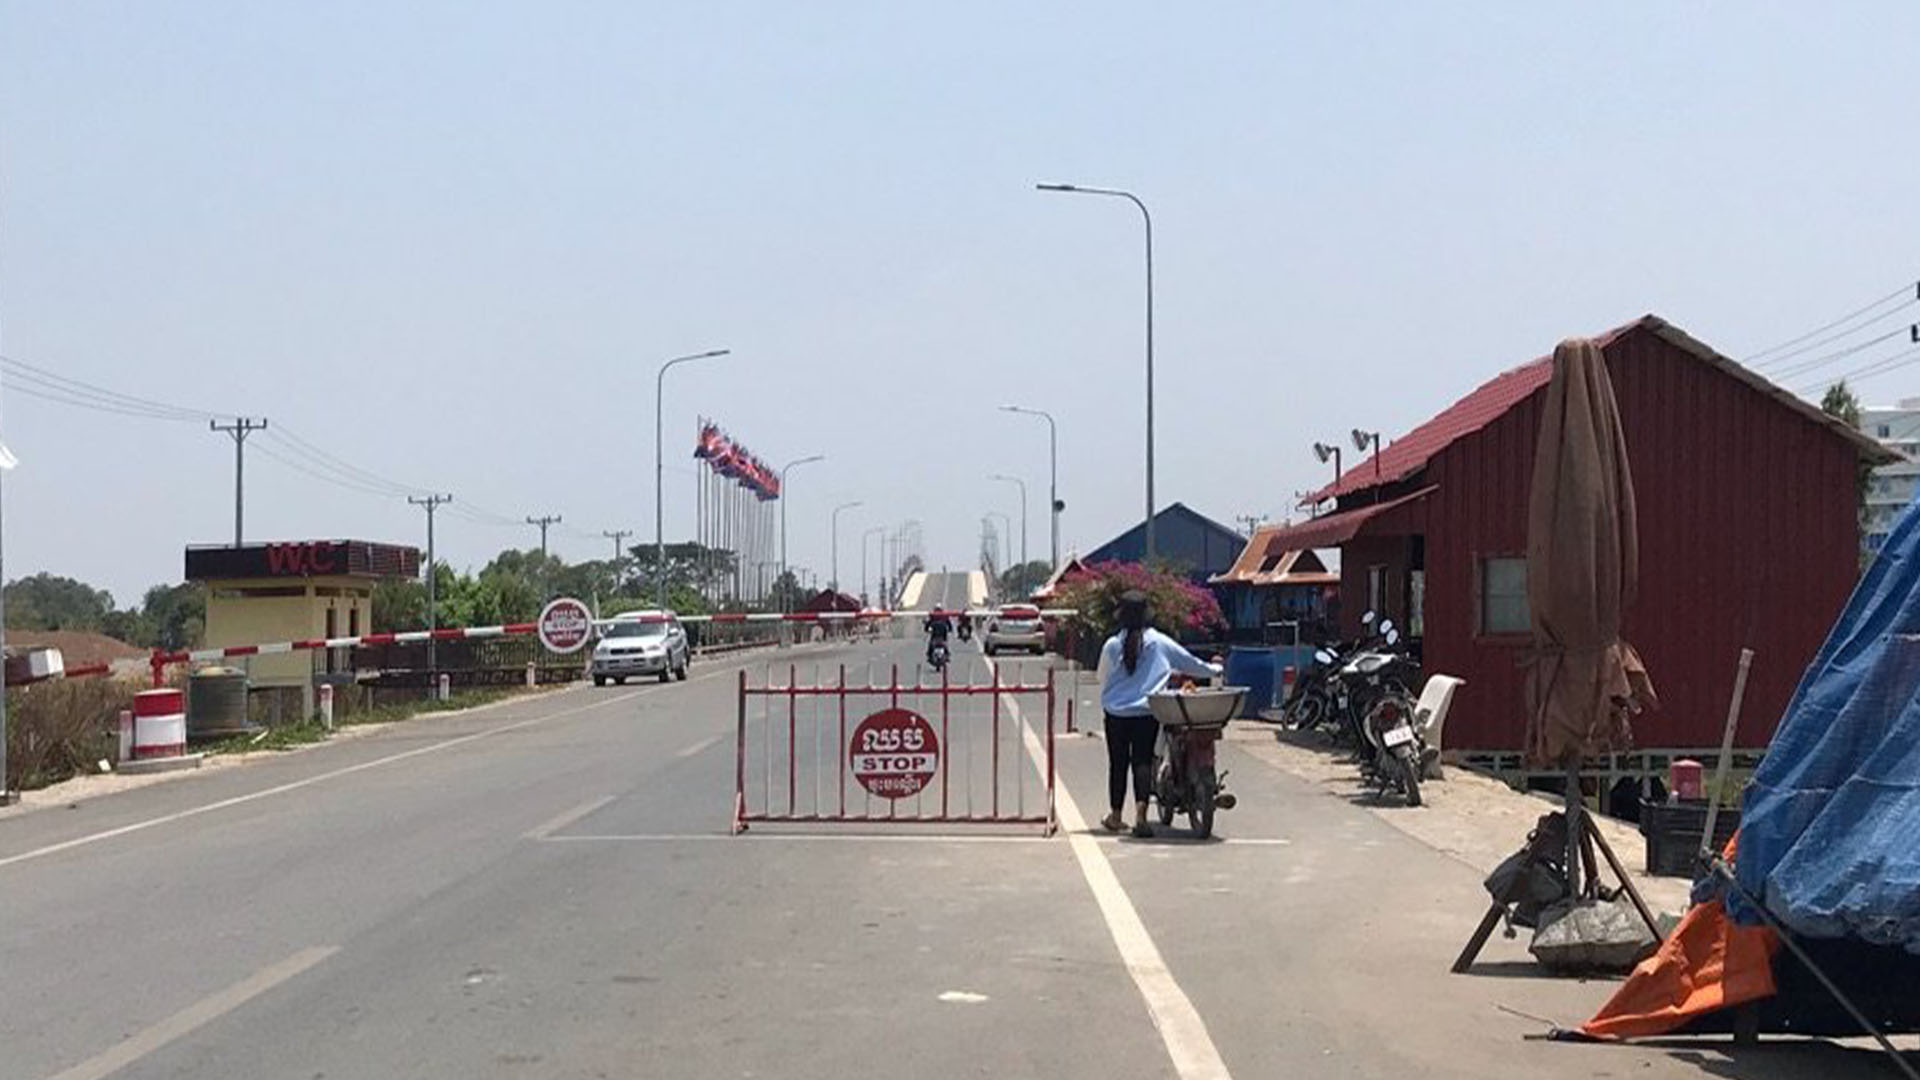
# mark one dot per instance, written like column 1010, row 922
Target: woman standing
column 1135, row 663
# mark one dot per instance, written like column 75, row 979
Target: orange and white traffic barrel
column 159, row 723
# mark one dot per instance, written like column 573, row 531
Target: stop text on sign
column 894, row 753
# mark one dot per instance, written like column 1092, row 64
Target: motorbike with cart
column 1186, row 781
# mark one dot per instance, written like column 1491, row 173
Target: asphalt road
column 548, row 888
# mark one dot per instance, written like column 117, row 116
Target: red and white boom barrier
column 162, row 659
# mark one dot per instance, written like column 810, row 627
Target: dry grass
column 58, row 728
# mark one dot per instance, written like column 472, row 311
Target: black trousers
column 1130, row 741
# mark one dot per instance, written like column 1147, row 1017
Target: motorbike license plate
column 1396, row 736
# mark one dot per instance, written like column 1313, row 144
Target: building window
column 1882, row 431
column 1503, row 595
column 1377, row 590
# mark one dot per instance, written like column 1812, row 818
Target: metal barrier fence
column 877, row 751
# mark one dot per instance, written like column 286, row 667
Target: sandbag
column 1591, row 937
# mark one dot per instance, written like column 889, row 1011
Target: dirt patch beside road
column 1473, row 818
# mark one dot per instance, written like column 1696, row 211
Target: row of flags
column 732, row 460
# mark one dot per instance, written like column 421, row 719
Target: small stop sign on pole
column 894, row 753
column 565, row 624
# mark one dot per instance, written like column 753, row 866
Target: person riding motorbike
column 938, row 628
column 1136, row 662
column 966, row 627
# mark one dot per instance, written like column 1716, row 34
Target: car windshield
column 637, row 630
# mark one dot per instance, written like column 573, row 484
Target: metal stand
column 1579, row 868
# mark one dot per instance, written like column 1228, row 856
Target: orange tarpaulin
column 1708, row 963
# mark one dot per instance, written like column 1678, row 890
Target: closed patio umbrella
column 1583, row 564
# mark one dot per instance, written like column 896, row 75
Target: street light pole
column 786, row 600
column 866, row 597
column 835, row 583
column 660, row 470
column 1148, row 219
column 1023, row 511
column 1053, row 476
column 1006, row 538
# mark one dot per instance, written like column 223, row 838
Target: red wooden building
column 1748, row 537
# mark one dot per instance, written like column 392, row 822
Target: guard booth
column 294, row 591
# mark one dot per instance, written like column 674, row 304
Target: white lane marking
column 795, row 837
column 962, row 997
column 199, row 1014
column 295, row 785
column 563, row 820
column 698, row 747
column 1182, row 1031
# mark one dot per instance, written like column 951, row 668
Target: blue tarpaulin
column 1830, row 831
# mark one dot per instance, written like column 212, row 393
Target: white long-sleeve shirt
column 1125, row 694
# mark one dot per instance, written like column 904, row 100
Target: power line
column 1804, row 366
column 1882, row 366
column 1802, row 339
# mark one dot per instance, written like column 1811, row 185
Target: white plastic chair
column 1430, row 712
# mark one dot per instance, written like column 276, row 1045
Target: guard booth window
column 1503, row 595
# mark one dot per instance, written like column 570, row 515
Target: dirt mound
column 76, row 647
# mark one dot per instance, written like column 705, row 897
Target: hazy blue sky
column 450, row 242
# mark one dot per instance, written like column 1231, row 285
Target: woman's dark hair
column 1133, row 619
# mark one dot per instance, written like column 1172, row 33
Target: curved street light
column 1023, row 510
column 659, row 468
column 1053, row 476
column 1075, row 189
column 835, row 583
column 786, row 600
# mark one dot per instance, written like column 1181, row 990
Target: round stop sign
column 894, row 753
column 565, row 624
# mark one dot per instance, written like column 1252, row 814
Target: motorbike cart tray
column 1202, row 707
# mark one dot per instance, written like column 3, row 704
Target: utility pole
column 542, row 523
column 616, row 535
column 431, row 503
column 240, row 428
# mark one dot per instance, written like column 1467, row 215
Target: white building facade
column 1893, row 486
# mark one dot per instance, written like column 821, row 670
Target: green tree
column 1841, row 403
column 1018, row 582
column 173, row 616
column 50, row 602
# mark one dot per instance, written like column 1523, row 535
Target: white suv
column 1016, row 626
column 641, row 643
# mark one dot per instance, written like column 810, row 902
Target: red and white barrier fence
column 162, row 658
column 871, row 752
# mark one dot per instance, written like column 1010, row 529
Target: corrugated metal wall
column 1747, row 537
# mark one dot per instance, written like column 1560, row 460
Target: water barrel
column 159, row 724
column 1257, row 669
column 217, row 702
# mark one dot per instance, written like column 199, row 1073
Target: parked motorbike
column 1186, row 782
column 1310, row 703
column 1377, row 709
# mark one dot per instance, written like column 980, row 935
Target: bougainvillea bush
column 1175, row 605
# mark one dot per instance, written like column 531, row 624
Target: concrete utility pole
column 616, row 535
column 431, row 503
column 7, row 795
column 543, row 522
column 240, row 428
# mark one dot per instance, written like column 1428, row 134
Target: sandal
column 1112, row 823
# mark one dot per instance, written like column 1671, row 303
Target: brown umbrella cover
column 1583, row 563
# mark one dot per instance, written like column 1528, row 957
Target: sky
column 450, row 244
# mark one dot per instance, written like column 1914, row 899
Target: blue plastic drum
column 1258, row 669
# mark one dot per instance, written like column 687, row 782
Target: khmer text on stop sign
column 894, row 753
